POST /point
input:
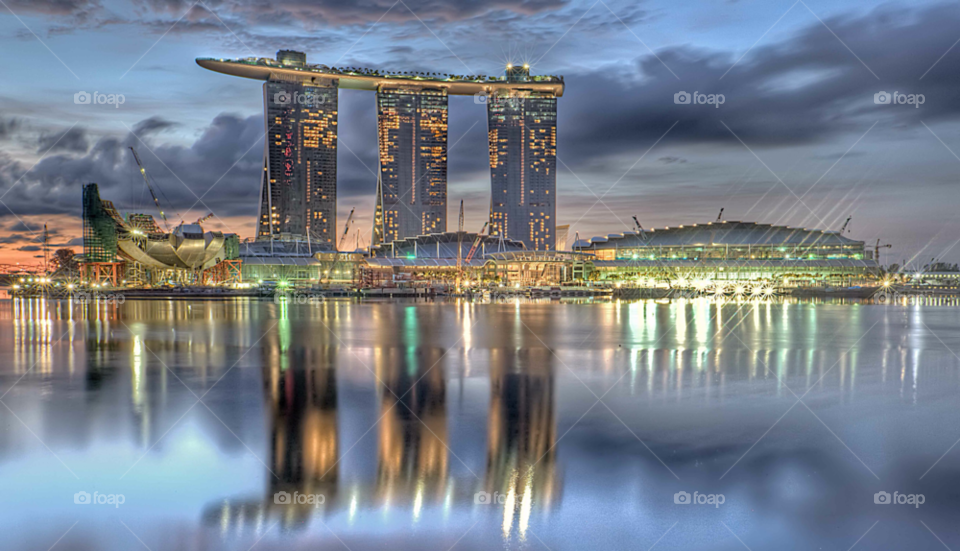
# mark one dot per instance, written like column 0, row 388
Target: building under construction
column 135, row 251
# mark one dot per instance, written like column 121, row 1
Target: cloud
column 30, row 248
column 74, row 8
column 228, row 153
column 806, row 89
column 74, row 139
column 153, row 125
column 317, row 13
column 9, row 126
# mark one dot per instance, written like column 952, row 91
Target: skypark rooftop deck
column 367, row 79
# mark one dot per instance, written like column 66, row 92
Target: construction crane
column 204, row 219
column 46, row 250
column 336, row 256
column 844, row 228
column 876, row 254
column 476, row 243
column 637, row 222
column 720, row 216
column 146, row 180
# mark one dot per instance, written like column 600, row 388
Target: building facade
column 522, row 131
column 299, row 183
column 412, row 185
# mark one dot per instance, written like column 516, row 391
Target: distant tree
column 65, row 263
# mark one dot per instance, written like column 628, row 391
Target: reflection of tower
column 521, row 432
column 303, row 415
column 412, row 459
column 413, row 161
column 522, row 128
column 299, row 186
column 378, row 216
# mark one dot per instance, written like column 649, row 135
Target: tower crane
column 720, row 216
column 146, row 180
column 876, row 254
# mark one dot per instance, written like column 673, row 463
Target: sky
column 799, row 139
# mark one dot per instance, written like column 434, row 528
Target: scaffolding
column 102, row 273
column 225, row 272
column 101, row 227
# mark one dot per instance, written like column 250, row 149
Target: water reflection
column 464, row 398
column 521, row 435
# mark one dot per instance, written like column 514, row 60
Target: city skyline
column 798, row 141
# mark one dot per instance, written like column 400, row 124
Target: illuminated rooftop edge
column 367, row 79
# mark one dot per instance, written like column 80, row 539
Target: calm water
column 400, row 414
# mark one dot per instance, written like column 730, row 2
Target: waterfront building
column 522, row 132
column 298, row 200
column 699, row 254
column 298, row 195
column 412, row 185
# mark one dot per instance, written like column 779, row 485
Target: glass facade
column 299, row 186
column 412, row 188
column 522, row 131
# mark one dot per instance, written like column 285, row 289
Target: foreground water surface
column 247, row 424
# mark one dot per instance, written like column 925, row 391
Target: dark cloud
column 806, row 89
column 30, row 248
column 21, row 226
column 74, row 139
column 669, row 160
column 13, row 238
column 152, row 125
column 316, row 13
column 228, row 152
column 74, row 8
column 9, row 126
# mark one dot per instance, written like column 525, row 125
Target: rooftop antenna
column 720, row 216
